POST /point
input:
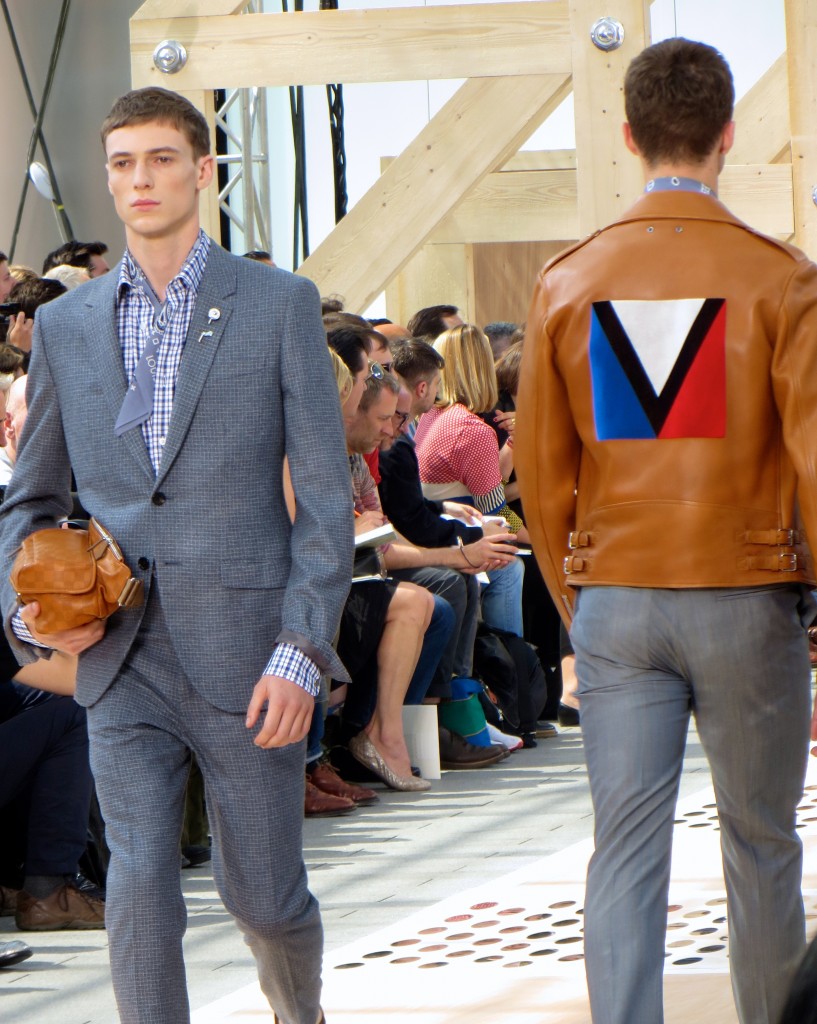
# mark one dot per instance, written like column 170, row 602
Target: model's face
column 7, row 282
column 155, row 180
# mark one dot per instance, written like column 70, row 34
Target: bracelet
column 461, row 546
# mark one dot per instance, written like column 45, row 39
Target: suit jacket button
column 158, row 498
column 143, row 563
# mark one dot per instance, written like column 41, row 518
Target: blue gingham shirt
column 140, row 314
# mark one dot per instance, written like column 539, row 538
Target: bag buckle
column 132, row 594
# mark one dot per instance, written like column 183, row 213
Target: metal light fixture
column 41, row 180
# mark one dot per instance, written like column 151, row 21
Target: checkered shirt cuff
column 290, row 662
column 22, row 633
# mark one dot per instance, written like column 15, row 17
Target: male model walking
column 173, row 387
column 668, row 411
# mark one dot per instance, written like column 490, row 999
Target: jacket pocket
column 251, row 574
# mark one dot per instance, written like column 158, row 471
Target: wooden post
column 801, row 41
column 480, row 128
column 609, row 177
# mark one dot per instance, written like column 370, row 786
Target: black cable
column 37, row 133
column 334, row 97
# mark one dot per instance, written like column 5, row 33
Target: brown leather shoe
column 318, row 804
column 326, row 779
column 66, row 907
column 8, row 901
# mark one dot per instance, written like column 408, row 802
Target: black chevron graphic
column 656, row 406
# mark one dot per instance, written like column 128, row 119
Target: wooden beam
column 609, row 177
column 518, row 206
column 436, row 275
column 532, row 206
column 801, row 35
column 204, row 100
column 186, row 9
column 388, row 45
column 762, row 133
column 480, row 127
column 760, row 194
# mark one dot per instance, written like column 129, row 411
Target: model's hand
column 289, row 712
column 814, row 728
column 69, row 641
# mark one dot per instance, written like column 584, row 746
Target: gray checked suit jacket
column 211, row 530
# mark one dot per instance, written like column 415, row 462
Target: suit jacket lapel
column 216, row 292
column 100, row 329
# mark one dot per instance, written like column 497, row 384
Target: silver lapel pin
column 212, row 315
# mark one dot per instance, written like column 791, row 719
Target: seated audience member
column 541, row 620
column 430, row 322
column 14, row 416
column 379, row 353
column 440, row 570
column 45, row 797
column 569, row 703
column 87, row 255
column 30, row 295
column 326, row 793
column 7, row 282
column 382, row 630
column 22, row 273
column 459, row 458
column 260, row 256
column 71, row 277
column 500, row 336
column 393, row 333
column 801, row 1004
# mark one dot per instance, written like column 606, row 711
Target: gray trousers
column 737, row 659
column 141, row 732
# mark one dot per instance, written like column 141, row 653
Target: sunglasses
column 375, row 372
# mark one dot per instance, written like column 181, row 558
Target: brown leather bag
column 75, row 575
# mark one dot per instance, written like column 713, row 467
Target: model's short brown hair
column 678, row 96
column 141, row 106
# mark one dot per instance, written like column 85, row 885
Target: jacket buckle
column 787, row 561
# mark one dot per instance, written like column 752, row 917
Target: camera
column 7, row 310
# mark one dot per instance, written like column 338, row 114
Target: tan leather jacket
column 667, row 413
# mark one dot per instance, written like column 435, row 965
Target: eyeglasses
column 386, row 367
column 375, row 372
column 401, row 418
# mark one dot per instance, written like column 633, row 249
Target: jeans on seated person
column 44, row 766
column 502, row 598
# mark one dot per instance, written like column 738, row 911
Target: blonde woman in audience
column 459, row 458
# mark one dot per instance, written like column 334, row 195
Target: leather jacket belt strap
column 774, row 538
column 784, row 561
